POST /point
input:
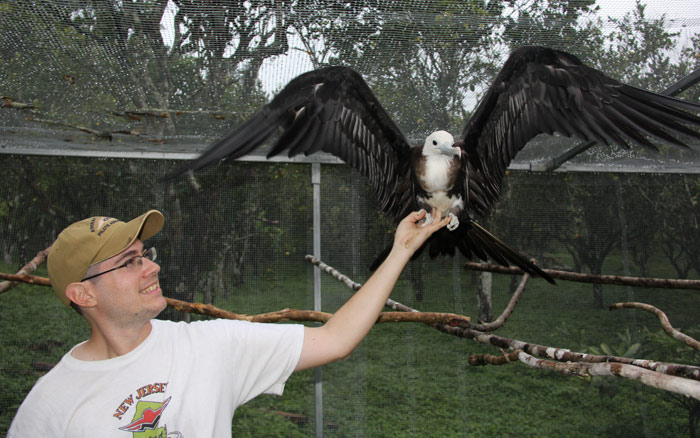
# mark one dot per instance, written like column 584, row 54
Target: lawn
column 407, row 379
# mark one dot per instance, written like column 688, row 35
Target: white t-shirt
column 184, row 380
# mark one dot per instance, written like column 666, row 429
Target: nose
column 149, row 267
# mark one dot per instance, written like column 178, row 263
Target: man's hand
column 410, row 235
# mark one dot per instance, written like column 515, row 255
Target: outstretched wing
column 331, row 109
column 541, row 90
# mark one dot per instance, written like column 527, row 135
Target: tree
column 114, row 57
column 560, row 24
column 680, row 230
column 423, row 78
column 584, row 219
column 638, row 50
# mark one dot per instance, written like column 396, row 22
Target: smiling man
column 137, row 374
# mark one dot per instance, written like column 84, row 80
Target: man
column 159, row 378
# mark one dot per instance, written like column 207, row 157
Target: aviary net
column 101, row 99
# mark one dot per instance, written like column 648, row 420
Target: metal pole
column 318, row 384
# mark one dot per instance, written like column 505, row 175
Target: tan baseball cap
column 92, row 241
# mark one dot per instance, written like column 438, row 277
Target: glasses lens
column 150, row 254
column 133, row 263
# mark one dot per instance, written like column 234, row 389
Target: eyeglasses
column 131, row 265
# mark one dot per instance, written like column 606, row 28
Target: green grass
column 409, row 380
column 36, row 327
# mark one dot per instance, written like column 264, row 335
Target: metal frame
column 35, row 144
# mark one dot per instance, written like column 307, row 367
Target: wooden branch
column 395, row 305
column 311, row 315
column 665, row 283
column 166, row 113
column 681, row 379
column 663, row 320
column 30, row 267
column 678, row 385
column 23, row 278
column 9, row 102
column 203, row 309
column 101, row 134
column 559, row 354
column 563, row 354
column 450, row 319
column 498, row 322
column 333, row 272
column 488, row 359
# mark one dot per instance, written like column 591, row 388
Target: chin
column 163, row 305
column 154, row 308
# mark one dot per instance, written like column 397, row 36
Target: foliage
column 638, row 51
column 235, row 234
column 404, row 379
column 565, row 25
column 629, row 345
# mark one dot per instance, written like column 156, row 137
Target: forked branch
column 654, row 379
column 664, row 283
column 30, row 267
column 678, row 378
column 663, row 320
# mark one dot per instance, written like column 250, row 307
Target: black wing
column 541, row 90
column 331, row 109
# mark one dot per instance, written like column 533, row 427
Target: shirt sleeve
column 37, row 415
column 253, row 358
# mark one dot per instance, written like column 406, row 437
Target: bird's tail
column 472, row 240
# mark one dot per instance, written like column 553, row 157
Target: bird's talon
column 454, row 222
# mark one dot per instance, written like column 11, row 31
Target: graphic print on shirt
column 146, row 418
column 147, row 414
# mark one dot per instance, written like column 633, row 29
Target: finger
column 418, row 215
column 439, row 224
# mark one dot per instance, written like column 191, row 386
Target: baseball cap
column 91, row 241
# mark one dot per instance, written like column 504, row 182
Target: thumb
column 418, row 215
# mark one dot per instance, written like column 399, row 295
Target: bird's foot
column 454, row 222
column 427, row 220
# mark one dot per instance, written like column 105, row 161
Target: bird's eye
column 435, row 142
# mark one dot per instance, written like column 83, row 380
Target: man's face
column 127, row 296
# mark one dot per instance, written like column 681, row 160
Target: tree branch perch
column 664, row 283
column 677, row 378
column 663, row 320
column 30, row 267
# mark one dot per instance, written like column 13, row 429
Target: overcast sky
column 682, row 15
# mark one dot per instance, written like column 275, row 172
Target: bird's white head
column 441, row 143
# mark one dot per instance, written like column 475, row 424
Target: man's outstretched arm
column 337, row 338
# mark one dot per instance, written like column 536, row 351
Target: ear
column 81, row 294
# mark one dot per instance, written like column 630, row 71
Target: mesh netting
column 101, row 98
column 168, row 77
column 405, row 379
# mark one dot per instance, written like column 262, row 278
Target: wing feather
column 541, row 90
column 333, row 110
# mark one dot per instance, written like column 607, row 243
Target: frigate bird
column 538, row 90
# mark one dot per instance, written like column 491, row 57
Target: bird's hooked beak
column 441, row 143
column 451, row 150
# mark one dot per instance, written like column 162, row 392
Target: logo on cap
column 100, row 224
